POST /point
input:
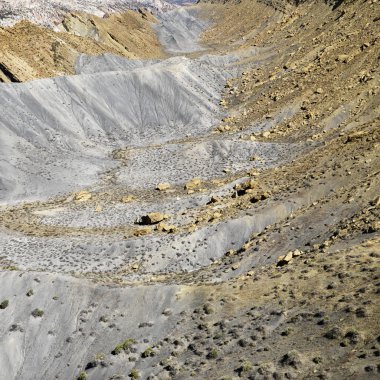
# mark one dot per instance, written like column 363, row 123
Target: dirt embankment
column 28, row 51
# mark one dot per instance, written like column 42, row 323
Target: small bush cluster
column 149, row 352
column 37, row 313
column 82, row 376
column 125, row 346
column 134, row 374
column 213, row 354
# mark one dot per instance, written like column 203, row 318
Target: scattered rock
column 166, row 227
column 135, row 266
column 83, row 196
column 342, row 58
column 194, row 184
column 375, row 202
column 127, row 198
column 356, row 136
column 153, row 218
column 373, row 227
column 285, row 259
column 214, row 199
column 163, row 186
column 297, row 253
column 142, row 231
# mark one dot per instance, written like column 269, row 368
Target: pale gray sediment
column 56, row 137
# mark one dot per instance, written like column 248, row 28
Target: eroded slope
column 28, row 51
column 266, row 266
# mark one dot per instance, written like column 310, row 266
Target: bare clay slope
column 218, row 217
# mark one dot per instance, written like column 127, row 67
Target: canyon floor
column 207, row 206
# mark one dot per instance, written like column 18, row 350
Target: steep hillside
column 212, row 214
column 28, row 51
column 50, row 12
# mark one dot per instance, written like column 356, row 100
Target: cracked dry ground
column 295, row 293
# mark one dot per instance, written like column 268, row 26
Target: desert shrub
column 207, row 308
column 213, row 354
column 125, row 346
column 134, row 374
column 148, row 353
column 82, row 376
column 247, row 366
column 4, row 304
column 37, row 313
column 353, row 336
column 100, row 356
column 10, row 268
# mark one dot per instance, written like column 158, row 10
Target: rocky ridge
column 51, row 12
column 28, row 51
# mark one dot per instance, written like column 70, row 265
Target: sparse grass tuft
column 134, row 374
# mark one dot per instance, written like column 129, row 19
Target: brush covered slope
column 214, row 214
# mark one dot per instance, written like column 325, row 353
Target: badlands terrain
column 190, row 192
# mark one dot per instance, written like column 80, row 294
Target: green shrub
column 4, row 304
column 37, row 313
column 247, row 366
column 10, row 268
column 29, row 292
column 82, row 376
column 134, row 374
column 213, row 354
column 207, row 308
column 148, row 353
column 100, row 356
column 125, row 346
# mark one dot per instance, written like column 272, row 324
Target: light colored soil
column 284, row 135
